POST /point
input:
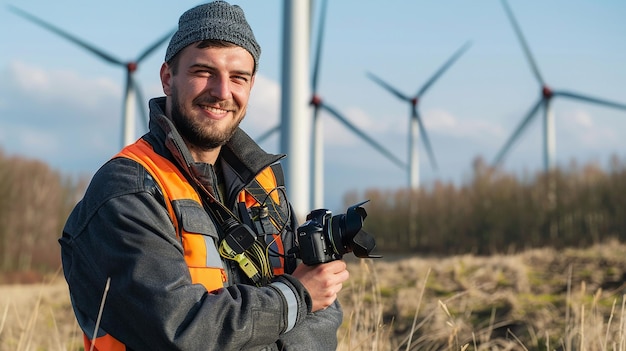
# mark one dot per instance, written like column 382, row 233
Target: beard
column 204, row 135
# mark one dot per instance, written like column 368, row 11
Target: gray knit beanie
column 217, row 20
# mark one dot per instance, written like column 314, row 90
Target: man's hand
column 322, row 281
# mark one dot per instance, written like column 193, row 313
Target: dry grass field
column 536, row 300
column 37, row 317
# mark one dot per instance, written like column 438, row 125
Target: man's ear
column 166, row 78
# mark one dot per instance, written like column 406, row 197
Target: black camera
column 324, row 237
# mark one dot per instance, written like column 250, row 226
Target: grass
column 537, row 300
column 37, row 317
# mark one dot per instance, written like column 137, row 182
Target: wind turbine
column 132, row 93
column 317, row 138
column 415, row 120
column 544, row 101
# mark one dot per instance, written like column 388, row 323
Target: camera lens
column 338, row 237
column 324, row 237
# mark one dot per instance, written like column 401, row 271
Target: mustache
column 214, row 102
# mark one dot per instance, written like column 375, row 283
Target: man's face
column 209, row 93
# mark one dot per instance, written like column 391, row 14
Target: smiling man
column 186, row 235
column 208, row 92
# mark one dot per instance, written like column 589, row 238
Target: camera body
column 324, row 238
column 312, row 238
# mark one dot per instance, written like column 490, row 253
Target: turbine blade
column 318, row 49
column 522, row 40
column 429, row 149
column 591, row 99
column 100, row 53
column 364, row 136
column 141, row 103
column 388, row 87
column 155, row 45
column 267, row 134
column 445, row 67
column 518, row 132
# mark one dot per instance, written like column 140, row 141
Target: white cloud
column 62, row 86
column 580, row 125
column 443, row 122
column 59, row 116
column 583, row 119
column 38, row 142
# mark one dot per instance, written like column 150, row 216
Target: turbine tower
column 132, row 92
column 294, row 114
column 415, row 120
column 549, row 138
column 317, row 159
column 318, row 104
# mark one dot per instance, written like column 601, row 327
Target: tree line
column 498, row 212
column 492, row 212
column 35, row 200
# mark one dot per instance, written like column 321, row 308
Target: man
column 183, row 240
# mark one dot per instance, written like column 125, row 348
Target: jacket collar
column 241, row 158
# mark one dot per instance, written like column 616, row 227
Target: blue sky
column 61, row 104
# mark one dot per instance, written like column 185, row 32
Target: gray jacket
column 121, row 230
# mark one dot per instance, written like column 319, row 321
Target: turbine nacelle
column 547, row 92
column 132, row 67
column 316, row 100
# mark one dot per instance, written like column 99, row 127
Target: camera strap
column 261, row 195
column 238, row 238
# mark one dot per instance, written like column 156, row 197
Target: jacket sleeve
column 318, row 331
column 121, row 231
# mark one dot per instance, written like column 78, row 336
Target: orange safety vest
column 200, row 251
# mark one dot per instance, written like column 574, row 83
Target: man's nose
column 220, row 88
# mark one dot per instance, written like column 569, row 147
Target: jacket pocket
column 199, row 238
